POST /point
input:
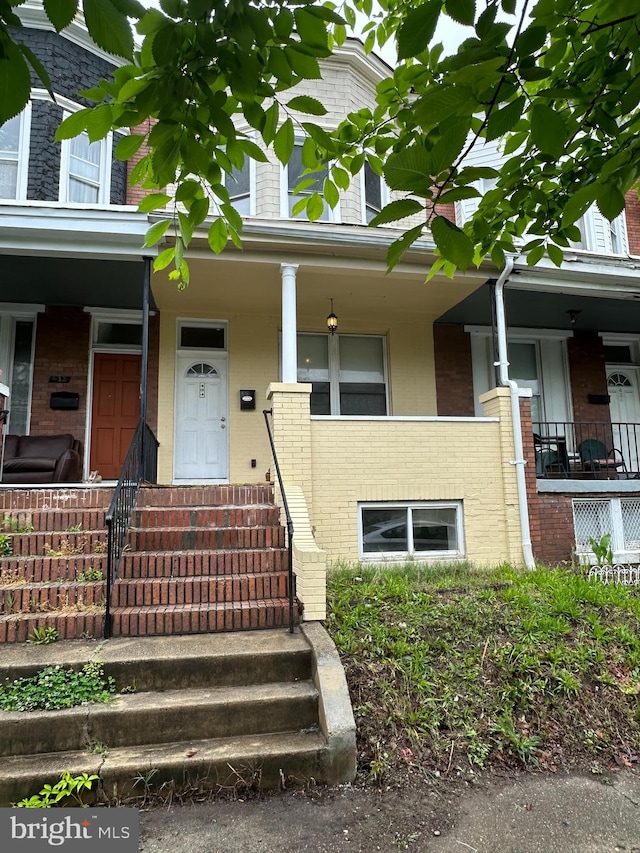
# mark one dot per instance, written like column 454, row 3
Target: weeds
column 68, row 788
column 6, row 545
column 89, row 574
column 56, row 687
column 43, row 636
column 14, row 525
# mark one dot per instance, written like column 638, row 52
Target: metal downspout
column 505, row 381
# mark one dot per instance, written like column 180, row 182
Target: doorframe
column 99, row 315
column 200, row 354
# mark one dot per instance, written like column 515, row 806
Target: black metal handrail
column 586, row 451
column 287, row 514
column 140, row 465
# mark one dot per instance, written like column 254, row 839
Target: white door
column 622, row 384
column 201, row 443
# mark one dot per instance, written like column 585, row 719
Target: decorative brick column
column 292, row 438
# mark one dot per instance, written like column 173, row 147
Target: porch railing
column 140, row 465
column 586, row 451
column 287, row 514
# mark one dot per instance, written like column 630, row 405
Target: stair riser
column 65, row 731
column 206, row 517
column 50, row 569
column 53, row 520
column 58, row 544
column 200, row 496
column 70, row 626
column 196, row 590
column 202, row 564
column 36, row 599
column 54, row 498
column 136, row 622
column 206, row 540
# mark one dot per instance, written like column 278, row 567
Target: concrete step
column 207, row 539
column 179, row 563
column 152, row 718
column 197, row 590
column 264, row 761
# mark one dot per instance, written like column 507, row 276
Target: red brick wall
column 530, row 475
column 555, row 512
column 447, row 210
column 588, row 376
column 62, row 349
column 454, row 377
column 632, row 214
column 135, row 193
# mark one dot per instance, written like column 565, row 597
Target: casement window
column 14, row 156
column 374, row 195
column 85, row 170
column 347, row 372
column 419, row 530
column 594, row 518
column 292, row 176
column 241, row 186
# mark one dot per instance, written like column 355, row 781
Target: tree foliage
column 556, row 82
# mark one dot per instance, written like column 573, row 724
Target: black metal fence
column 587, row 451
column 140, row 465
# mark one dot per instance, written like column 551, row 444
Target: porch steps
column 198, row 560
column 207, row 712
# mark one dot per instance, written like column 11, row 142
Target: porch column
column 289, row 323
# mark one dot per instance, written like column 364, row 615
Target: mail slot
column 64, row 400
column 247, row 400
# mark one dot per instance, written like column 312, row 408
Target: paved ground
column 531, row 814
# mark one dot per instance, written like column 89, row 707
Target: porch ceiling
column 71, row 281
column 361, row 289
column 545, row 310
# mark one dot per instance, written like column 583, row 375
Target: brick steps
column 53, row 519
column 36, row 598
column 72, row 625
column 197, row 590
column 189, row 538
column 205, row 516
column 59, row 544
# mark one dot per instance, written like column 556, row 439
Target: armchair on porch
column 552, row 459
column 596, row 457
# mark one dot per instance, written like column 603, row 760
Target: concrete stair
column 257, row 709
column 198, row 560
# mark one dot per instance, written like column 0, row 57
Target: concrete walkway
column 534, row 814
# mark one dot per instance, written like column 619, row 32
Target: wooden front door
column 115, row 411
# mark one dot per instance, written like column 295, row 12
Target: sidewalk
column 534, row 814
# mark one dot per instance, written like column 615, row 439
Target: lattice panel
column 591, row 519
column 630, row 508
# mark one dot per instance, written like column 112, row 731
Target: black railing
column 140, row 465
column 287, row 514
column 587, row 451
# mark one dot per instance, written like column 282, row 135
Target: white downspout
column 503, row 370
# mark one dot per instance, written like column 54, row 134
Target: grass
column 452, row 668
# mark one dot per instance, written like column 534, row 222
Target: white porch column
column 289, row 324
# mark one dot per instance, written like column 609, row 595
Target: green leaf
column 307, row 104
column 398, row 248
column 60, row 12
column 502, row 121
column 531, row 40
column 164, row 259
column 535, row 255
column 186, row 227
column 319, row 135
column 452, row 242
column 128, row 146
column 218, row 235
column 15, row 82
column 330, row 192
column 311, row 29
column 153, row 201
column 459, row 194
column 555, row 253
column 409, row 170
column 108, row 27
column 548, row 130
column 271, row 123
column 73, row 125
column 99, row 122
column 39, row 68
column 418, row 28
column 315, row 207
column 610, row 200
column 156, row 232
column 303, row 65
column 578, row 204
column 449, row 147
column 441, row 102
column 396, row 210
column 341, row 177
column 462, row 11
column 284, row 141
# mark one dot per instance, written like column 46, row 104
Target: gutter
column 503, row 370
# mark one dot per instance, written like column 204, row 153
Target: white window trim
column 334, row 214
column 24, row 152
column 384, row 195
column 620, row 555
column 104, row 188
column 333, row 366
column 396, row 556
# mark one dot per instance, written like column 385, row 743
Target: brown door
column 115, row 411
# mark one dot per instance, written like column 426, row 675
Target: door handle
column 223, row 419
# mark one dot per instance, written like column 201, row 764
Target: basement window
column 618, row 517
column 419, row 530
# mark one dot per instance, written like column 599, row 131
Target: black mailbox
column 247, row 400
column 64, row 400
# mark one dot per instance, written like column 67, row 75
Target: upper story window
column 85, row 170
column 375, row 194
column 292, row 176
column 240, row 184
column 597, row 234
column 14, row 156
column 347, row 372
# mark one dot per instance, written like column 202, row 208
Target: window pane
column 202, row 337
column 617, row 354
column 435, row 529
column 119, row 333
column 82, row 149
column 21, row 377
column 8, row 179
column 372, row 192
column 361, row 377
column 357, row 398
column 384, row 530
column 523, row 361
column 313, row 358
column 81, row 192
column 9, row 147
column 239, row 185
column 295, row 168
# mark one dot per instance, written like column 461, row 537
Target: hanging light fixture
column 332, row 321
